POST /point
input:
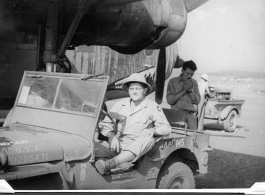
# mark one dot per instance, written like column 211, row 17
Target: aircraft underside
column 122, row 37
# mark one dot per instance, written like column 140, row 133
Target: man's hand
column 114, row 143
column 147, row 133
column 187, row 85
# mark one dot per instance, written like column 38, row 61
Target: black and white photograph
column 132, row 96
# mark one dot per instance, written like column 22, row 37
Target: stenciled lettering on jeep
column 27, row 158
column 25, row 154
column 25, row 149
column 178, row 143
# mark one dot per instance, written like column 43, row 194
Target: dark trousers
column 190, row 119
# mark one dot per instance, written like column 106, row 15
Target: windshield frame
column 61, row 77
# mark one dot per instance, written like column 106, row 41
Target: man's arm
column 173, row 94
column 195, row 94
column 161, row 124
column 207, row 88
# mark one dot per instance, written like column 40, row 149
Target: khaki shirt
column 148, row 114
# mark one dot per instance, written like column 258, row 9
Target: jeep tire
column 230, row 122
column 176, row 175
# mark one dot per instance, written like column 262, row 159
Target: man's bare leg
column 124, row 156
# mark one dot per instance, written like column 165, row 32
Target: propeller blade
column 160, row 75
column 193, row 4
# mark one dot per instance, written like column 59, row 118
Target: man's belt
column 189, row 112
column 186, row 111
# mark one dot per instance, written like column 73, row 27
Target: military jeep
column 47, row 141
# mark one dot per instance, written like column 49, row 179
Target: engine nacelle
column 132, row 27
column 172, row 14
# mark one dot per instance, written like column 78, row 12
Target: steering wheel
column 104, row 113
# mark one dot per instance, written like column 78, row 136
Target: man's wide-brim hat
column 205, row 77
column 136, row 78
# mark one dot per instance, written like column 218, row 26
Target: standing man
column 183, row 93
column 203, row 87
column 140, row 123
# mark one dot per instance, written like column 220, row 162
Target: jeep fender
column 225, row 112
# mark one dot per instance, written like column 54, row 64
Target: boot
column 104, row 167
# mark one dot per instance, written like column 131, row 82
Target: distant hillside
column 239, row 73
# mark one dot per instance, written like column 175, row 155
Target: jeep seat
column 176, row 118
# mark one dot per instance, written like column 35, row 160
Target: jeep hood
column 29, row 145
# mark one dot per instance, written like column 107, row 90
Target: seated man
column 138, row 119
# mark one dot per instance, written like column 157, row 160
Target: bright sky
column 226, row 35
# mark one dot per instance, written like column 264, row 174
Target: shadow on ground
column 219, row 127
column 231, row 170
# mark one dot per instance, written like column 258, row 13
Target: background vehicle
column 223, row 108
column 47, row 141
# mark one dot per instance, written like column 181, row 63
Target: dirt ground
column 238, row 158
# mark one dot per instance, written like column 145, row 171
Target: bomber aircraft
column 111, row 37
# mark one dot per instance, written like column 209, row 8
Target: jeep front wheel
column 176, row 176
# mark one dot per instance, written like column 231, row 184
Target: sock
column 109, row 164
